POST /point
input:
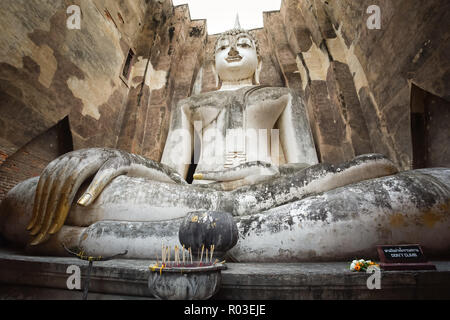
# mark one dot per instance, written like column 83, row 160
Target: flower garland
column 362, row 265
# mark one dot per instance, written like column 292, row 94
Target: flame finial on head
column 237, row 24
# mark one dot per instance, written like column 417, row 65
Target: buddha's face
column 236, row 57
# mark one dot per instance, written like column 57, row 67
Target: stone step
column 38, row 277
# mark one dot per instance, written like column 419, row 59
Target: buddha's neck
column 235, row 85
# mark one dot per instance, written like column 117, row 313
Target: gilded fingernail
column 198, row 176
column 53, row 229
column 38, row 239
column 30, row 226
column 35, row 230
column 84, row 200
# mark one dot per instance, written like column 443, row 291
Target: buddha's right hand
column 244, row 174
column 61, row 179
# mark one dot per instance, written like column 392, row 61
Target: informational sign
column 403, row 257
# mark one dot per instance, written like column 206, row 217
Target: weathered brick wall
column 49, row 72
column 31, row 159
column 411, row 47
column 357, row 80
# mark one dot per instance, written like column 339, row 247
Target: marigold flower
column 357, row 267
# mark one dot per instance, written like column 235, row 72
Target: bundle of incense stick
column 201, row 257
column 205, row 256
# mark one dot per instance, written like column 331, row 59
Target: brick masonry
column 30, row 160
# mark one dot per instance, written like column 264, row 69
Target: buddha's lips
column 234, row 59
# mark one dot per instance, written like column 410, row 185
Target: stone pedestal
column 26, row 277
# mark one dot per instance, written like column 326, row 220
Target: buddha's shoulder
column 206, row 98
column 270, row 91
column 251, row 93
column 261, row 93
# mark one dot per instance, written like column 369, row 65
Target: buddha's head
column 237, row 56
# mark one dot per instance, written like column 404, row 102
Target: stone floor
column 32, row 277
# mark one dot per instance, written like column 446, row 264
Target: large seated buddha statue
column 255, row 159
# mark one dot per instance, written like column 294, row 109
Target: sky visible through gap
column 221, row 14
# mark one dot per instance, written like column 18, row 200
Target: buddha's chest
column 232, row 113
column 234, row 130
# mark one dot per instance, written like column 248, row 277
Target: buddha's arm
column 295, row 132
column 179, row 144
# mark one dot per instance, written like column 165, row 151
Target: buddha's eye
column 244, row 45
column 222, row 45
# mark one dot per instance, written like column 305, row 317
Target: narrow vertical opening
column 65, row 139
column 194, row 159
column 430, row 130
column 191, row 171
column 127, row 66
column 418, row 127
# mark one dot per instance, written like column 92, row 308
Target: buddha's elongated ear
column 216, row 75
column 258, row 71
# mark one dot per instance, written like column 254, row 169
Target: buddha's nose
column 233, row 52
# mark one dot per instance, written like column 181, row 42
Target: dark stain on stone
column 171, row 33
column 109, row 17
column 424, row 185
column 120, row 17
column 138, row 79
column 196, row 32
column 290, row 221
column 250, row 223
column 318, row 213
column 134, row 230
column 163, row 18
